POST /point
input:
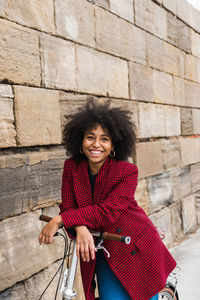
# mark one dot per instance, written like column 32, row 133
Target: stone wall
column 54, row 54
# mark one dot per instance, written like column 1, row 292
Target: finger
column 92, row 251
column 87, row 253
column 77, row 251
column 83, row 253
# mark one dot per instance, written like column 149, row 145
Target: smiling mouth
column 95, row 152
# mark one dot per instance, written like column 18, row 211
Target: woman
column 98, row 194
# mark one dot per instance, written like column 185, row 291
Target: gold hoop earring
column 112, row 153
column 81, row 150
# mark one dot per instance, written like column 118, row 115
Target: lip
column 95, row 152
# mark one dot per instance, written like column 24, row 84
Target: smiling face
column 97, row 145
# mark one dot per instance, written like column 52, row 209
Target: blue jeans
column 109, row 286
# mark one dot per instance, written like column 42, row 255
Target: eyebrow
column 94, row 134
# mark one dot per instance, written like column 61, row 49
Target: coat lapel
column 82, row 186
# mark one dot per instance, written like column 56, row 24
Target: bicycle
column 67, row 291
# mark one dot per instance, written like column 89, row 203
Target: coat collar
column 82, row 186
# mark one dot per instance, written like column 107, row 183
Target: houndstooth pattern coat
column 142, row 266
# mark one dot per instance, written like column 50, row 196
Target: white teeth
column 96, row 152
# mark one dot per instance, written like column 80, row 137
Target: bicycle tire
column 168, row 293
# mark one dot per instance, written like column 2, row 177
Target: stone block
column 173, row 61
column 194, row 18
column 7, row 129
column 192, row 68
column 195, row 43
column 57, row 62
column 190, row 153
column 75, row 21
column 183, row 11
column 109, row 78
column 101, row 3
column 141, row 195
column 160, row 192
column 19, row 54
column 198, row 208
column 148, row 15
column 176, row 215
column 19, row 260
column 163, row 91
column 196, row 120
column 172, row 120
column 123, row 8
column 179, row 91
column 163, row 220
column 189, row 214
column 178, row 33
column 119, row 37
column 6, row 91
column 26, row 186
column 158, row 120
column 151, row 120
column 170, row 5
column 141, row 82
column 37, row 115
column 154, row 51
column 149, row 158
column 170, row 153
column 181, row 182
column 192, row 94
column 186, row 121
column 195, row 175
column 31, row 13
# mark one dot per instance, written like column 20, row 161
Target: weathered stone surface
column 6, row 91
column 176, row 215
column 149, row 159
column 196, row 120
column 58, row 63
column 31, row 13
column 198, row 207
column 170, row 153
column 163, row 87
column 19, row 54
column 195, row 175
column 75, row 21
column 108, row 78
column 173, row 61
column 186, row 121
column 7, row 130
column 192, row 94
column 170, row 5
column 33, row 117
column 181, row 182
column 179, row 91
column 163, row 219
column 141, row 195
column 178, row 33
column 160, row 192
column 101, row 3
column 172, row 121
column 195, row 43
column 189, row 214
column 141, row 82
column 158, row 120
column 123, row 8
column 163, row 56
column 28, row 186
column 31, row 257
column 194, row 15
column 119, row 37
column 190, row 153
column 148, row 15
column 192, row 68
column 151, row 120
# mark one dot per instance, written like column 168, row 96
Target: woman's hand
column 84, row 243
column 48, row 231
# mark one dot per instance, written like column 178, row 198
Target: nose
column 96, row 143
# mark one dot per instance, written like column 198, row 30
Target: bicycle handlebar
column 104, row 235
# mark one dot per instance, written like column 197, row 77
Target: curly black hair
column 115, row 120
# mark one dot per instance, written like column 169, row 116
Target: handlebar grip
column 116, row 237
column 45, row 218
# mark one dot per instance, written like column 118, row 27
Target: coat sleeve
column 108, row 210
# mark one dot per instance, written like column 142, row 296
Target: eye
column 89, row 137
column 105, row 139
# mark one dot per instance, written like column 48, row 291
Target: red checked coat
column 142, row 266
